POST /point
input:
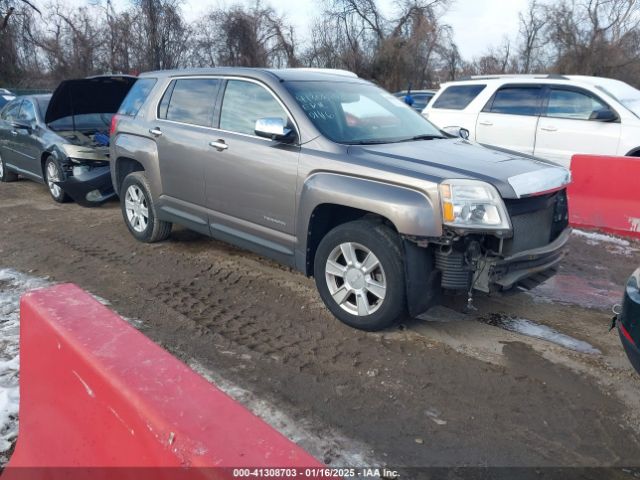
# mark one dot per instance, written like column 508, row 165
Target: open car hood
column 88, row 95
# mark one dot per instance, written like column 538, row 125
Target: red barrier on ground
column 605, row 194
column 95, row 392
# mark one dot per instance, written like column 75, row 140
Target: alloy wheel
column 53, row 175
column 136, row 207
column 356, row 279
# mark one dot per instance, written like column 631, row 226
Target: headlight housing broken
column 473, row 205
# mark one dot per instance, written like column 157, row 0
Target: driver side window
column 244, row 103
column 573, row 105
column 27, row 113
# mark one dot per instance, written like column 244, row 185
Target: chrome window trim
column 224, row 77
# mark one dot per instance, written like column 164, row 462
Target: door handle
column 156, row 132
column 549, row 129
column 486, row 123
column 220, row 145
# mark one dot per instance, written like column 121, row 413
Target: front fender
column 411, row 211
column 141, row 149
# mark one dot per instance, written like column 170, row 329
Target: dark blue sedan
column 629, row 320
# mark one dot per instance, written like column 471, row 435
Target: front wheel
column 53, row 173
column 139, row 210
column 359, row 274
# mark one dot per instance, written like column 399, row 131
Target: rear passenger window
column 246, row 102
column 517, row 101
column 457, row 97
column 136, row 97
column 190, row 101
column 11, row 111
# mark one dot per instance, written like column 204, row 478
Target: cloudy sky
column 477, row 24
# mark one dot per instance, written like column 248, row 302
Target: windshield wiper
column 370, row 142
column 421, row 137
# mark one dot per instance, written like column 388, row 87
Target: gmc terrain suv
column 549, row 116
column 339, row 179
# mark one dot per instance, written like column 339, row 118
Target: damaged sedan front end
column 62, row 140
column 86, row 106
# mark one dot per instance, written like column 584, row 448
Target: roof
column 285, row 74
column 39, row 96
column 542, row 78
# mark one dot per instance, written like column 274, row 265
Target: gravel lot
column 447, row 389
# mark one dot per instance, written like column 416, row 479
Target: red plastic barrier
column 95, row 392
column 605, row 194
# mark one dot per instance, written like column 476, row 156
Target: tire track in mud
column 248, row 305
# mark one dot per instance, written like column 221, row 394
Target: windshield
column 89, row 121
column 623, row 93
column 43, row 104
column 357, row 113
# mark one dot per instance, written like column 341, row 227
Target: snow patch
column 601, row 237
column 615, row 245
column 12, row 286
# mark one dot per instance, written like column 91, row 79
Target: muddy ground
column 448, row 389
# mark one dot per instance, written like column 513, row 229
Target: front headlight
column 471, row 204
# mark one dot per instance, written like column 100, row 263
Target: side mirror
column 457, row 132
column 603, row 115
column 22, row 126
column 273, row 128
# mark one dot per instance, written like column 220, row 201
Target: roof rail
column 515, row 75
column 334, row 71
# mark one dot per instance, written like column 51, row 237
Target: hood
column 88, row 95
column 514, row 175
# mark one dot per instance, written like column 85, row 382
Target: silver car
column 331, row 175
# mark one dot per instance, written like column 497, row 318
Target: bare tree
column 395, row 51
column 249, row 37
column 532, row 23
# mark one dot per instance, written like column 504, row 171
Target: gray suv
column 333, row 176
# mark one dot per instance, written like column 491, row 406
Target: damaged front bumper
column 89, row 186
column 527, row 269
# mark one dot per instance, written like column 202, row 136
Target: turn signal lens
column 447, row 212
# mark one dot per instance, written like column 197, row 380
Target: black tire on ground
column 57, row 194
column 155, row 230
column 7, row 176
column 384, row 243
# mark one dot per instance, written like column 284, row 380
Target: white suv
column 549, row 116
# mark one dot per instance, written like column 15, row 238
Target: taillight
column 626, row 334
column 114, row 124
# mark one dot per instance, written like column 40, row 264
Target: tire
column 53, row 172
column 352, row 290
column 6, row 175
column 139, row 210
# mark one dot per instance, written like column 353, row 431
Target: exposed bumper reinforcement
column 529, row 267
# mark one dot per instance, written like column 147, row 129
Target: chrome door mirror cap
column 274, row 128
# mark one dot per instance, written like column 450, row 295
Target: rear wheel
column 359, row 273
column 139, row 210
column 53, row 173
column 5, row 174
